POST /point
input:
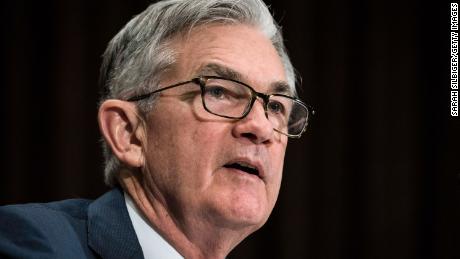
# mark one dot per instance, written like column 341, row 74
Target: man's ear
column 123, row 130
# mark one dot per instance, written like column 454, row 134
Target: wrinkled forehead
column 238, row 52
column 214, row 69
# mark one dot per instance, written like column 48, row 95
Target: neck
column 192, row 237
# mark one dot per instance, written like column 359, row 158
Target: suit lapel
column 110, row 231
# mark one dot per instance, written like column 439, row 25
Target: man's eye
column 217, row 92
column 276, row 107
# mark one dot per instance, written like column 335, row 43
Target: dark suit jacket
column 69, row 229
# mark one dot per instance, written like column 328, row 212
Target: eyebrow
column 281, row 87
column 219, row 70
column 277, row 87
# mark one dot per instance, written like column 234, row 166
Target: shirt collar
column 153, row 245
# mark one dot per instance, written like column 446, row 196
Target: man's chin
column 238, row 213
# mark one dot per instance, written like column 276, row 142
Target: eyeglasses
column 234, row 100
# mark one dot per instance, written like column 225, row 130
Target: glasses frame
column 201, row 82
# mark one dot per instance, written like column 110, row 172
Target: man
column 198, row 106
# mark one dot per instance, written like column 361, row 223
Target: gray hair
column 137, row 57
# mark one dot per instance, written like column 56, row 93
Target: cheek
column 207, row 140
column 279, row 158
column 277, row 163
column 208, row 136
column 184, row 149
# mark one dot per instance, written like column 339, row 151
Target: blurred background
column 375, row 176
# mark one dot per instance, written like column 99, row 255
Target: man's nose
column 255, row 126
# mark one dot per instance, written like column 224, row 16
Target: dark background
column 376, row 175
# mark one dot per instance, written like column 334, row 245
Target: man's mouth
column 245, row 167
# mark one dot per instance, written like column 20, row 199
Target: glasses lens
column 287, row 115
column 231, row 99
column 226, row 98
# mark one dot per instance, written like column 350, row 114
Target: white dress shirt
column 153, row 245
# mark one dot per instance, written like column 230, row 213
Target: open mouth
column 247, row 168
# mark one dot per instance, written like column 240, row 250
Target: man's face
column 191, row 154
